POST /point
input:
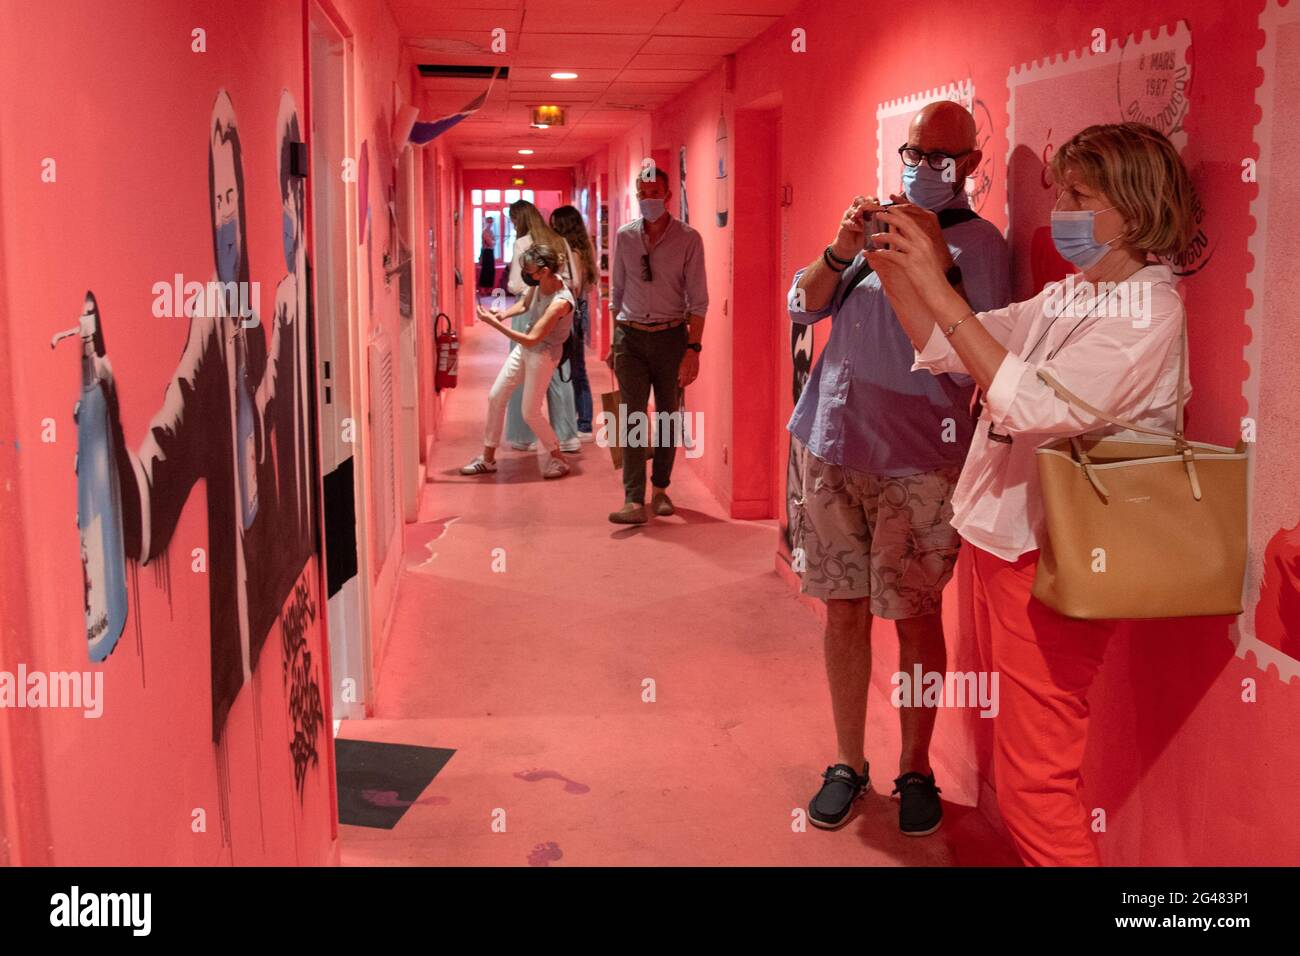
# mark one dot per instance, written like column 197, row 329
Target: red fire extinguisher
column 448, row 350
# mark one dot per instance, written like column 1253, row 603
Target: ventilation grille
column 383, row 466
column 433, row 71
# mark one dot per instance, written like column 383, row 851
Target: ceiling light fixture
column 518, row 166
column 525, row 152
column 564, row 76
column 546, row 116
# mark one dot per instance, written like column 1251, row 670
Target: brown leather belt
column 657, row 327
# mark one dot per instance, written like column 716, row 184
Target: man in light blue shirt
column 884, row 447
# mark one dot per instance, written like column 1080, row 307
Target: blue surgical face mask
column 228, row 250
column 651, row 209
column 1074, row 232
column 290, row 231
column 925, row 186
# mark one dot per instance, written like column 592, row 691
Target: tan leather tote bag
column 1141, row 527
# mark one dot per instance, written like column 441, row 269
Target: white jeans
column 533, row 368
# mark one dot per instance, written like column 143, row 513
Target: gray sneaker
column 555, row 468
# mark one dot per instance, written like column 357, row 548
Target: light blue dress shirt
column 863, row 407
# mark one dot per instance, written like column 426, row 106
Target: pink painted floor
column 534, row 677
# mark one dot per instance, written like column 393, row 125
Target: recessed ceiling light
column 518, row 166
column 525, row 152
column 564, row 76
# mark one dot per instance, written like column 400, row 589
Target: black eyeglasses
column 646, row 274
column 937, row 159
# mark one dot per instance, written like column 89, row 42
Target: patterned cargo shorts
column 870, row 536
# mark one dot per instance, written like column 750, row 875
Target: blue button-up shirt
column 863, row 407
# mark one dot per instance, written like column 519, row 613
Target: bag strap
column 1180, row 443
column 947, row 218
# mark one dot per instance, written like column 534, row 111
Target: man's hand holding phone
column 853, row 229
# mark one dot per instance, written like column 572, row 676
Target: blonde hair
column 1139, row 170
column 529, row 221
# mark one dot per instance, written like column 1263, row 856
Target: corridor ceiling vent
column 436, row 71
column 545, row 117
column 625, row 106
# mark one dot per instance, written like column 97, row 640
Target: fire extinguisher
column 448, row 350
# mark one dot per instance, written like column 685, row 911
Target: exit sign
column 516, row 181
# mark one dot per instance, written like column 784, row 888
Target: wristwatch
column 953, row 275
column 694, row 345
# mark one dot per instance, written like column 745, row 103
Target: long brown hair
column 529, row 222
column 567, row 221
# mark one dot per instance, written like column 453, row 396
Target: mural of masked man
column 214, row 427
column 290, row 411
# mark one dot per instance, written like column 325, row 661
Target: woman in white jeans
column 1112, row 335
column 538, row 348
column 531, row 226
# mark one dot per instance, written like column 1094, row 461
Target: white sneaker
column 571, row 445
column 479, row 466
column 523, row 446
column 586, row 436
column 555, row 468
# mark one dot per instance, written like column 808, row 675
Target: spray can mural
column 722, row 170
column 99, row 497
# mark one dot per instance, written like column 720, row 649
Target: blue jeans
column 559, row 408
column 578, row 373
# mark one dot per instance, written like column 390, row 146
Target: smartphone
column 874, row 224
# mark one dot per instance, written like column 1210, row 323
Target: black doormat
column 378, row 781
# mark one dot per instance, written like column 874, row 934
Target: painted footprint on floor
column 389, row 798
column 570, row 786
column 544, row 854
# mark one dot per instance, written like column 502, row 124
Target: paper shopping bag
column 610, row 402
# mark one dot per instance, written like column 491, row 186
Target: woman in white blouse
column 1113, row 340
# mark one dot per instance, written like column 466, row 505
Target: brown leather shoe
column 661, row 504
column 630, row 513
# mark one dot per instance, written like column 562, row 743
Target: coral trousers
column 1045, row 664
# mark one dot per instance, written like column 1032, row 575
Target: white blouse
column 1123, row 361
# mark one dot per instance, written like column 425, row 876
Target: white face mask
column 651, row 209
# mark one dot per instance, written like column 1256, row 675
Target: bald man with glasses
column 885, row 445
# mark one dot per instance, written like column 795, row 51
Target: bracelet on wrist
column 827, row 257
column 953, row 328
column 843, row 262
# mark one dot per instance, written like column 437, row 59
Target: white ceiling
column 631, row 56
